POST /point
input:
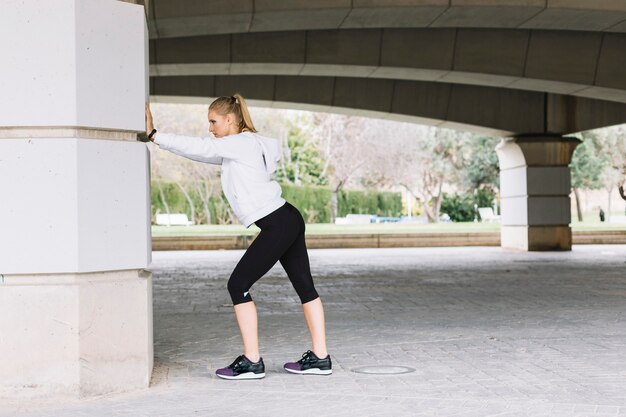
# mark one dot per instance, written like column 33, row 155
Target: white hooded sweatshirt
column 248, row 161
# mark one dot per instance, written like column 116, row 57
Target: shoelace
column 237, row 363
column 306, row 357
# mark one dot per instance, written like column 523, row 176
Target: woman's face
column 221, row 125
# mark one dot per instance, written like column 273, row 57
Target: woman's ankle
column 253, row 357
column 318, row 353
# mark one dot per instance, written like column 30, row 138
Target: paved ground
column 489, row 332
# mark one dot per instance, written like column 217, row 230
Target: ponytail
column 236, row 105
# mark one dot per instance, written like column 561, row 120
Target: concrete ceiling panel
column 501, row 52
column 265, row 69
column 612, row 62
column 282, row 5
column 614, row 5
column 287, row 47
column 164, row 9
column 573, row 19
column 421, row 99
column 600, row 93
column 201, row 25
column 326, row 70
column 197, row 49
column 200, row 17
column 418, row 48
column 620, row 27
column 364, row 4
column 521, row 110
column 258, row 86
column 510, row 110
column 184, row 86
column 363, row 93
column 547, row 86
column 358, row 47
column 269, row 15
column 589, row 114
column 486, row 16
column 311, row 90
column 393, row 17
column 474, row 105
column 476, row 78
column 501, row 3
column 414, row 74
column 563, row 56
column 190, row 69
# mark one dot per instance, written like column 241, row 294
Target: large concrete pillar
column 535, row 184
column 75, row 299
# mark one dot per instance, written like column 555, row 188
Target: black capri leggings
column 281, row 239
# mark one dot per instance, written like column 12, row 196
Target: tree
column 302, row 162
column 613, row 141
column 342, row 141
column 586, row 167
column 432, row 160
column 481, row 167
column 189, row 176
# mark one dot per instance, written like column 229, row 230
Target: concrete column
column 75, row 298
column 535, row 184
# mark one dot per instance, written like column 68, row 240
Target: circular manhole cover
column 383, row 369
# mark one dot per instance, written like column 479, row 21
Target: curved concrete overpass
column 174, row 18
column 584, row 64
column 496, row 111
column 440, row 64
column 305, row 52
column 535, row 70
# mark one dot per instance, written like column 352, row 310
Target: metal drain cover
column 383, row 370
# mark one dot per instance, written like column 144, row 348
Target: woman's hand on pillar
column 149, row 122
column 143, row 137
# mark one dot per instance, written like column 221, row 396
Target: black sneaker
column 310, row 364
column 243, row 368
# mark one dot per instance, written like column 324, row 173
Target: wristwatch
column 152, row 134
column 142, row 137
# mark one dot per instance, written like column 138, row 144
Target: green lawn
column 589, row 223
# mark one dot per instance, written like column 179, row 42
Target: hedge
column 312, row 201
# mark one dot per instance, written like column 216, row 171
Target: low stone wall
column 375, row 240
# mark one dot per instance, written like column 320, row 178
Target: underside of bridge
column 531, row 71
column 506, row 68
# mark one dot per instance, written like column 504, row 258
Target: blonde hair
column 236, row 105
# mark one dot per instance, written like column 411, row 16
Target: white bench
column 355, row 219
column 172, row 219
column 487, row 215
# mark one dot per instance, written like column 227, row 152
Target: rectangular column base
column 537, row 238
column 75, row 335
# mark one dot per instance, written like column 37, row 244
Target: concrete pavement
column 489, row 332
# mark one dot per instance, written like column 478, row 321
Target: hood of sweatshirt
column 271, row 151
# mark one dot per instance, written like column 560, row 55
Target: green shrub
column 371, row 202
column 460, row 207
column 312, row 201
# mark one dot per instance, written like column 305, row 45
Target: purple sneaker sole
column 294, row 368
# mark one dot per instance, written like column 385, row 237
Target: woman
column 248, row 160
